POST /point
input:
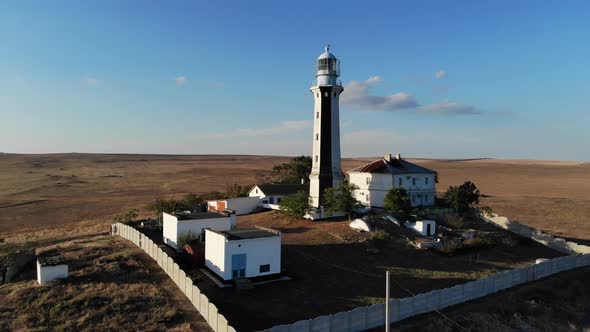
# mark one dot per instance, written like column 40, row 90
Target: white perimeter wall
column 46, row 274
column 173, row 227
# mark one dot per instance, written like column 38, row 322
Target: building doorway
column 238, row 266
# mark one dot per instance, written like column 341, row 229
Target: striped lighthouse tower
column 326, row 171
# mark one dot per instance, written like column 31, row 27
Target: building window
column 317, row 95
column 399, row 182
column 334, row 94
column 264, row 268
column 426, row 180
column 368, row 180
column 317, row 115
column 317, row 137
column 316, row 158
column 413, row 181
column 257, row 190
column 278, row 200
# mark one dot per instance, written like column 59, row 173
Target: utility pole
column 387, row 301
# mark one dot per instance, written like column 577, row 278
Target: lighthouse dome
column 327, row 54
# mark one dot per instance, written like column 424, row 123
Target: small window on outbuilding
column 264, row 268
column 368, row 180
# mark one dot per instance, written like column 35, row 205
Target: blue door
column 238, row 266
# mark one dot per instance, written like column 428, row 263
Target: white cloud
column 282, row 128
column 449, row 108
column 180, row 80
column 91, row 80
column 356, row 95
column 440, row 74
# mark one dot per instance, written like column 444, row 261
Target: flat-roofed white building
column 51, row 268
column 376, row 178
column 243, row 253
column 240, row 205
column 175, row 224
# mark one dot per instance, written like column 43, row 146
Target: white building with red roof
column 376, row 178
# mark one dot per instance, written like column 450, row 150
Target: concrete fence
column 208, row 310
column 364, row 318
column 549, row 240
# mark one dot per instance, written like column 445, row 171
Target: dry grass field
column 113, row 285
column 59, row 198
column 45, row 192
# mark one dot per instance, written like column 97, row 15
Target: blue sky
column 442, row 79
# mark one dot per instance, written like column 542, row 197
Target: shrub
column 463, row 197
column 509, row 241
column 188, row 237
column 480, row 241
column 297, row 205
column 397, row 201
column 485, row 210
column 451, row 247
column 380, row 238
column 454, row 221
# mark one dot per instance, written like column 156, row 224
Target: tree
column 293, row 171
column 166, row 205
column 340, row 199
column 397, row 201
column 463, row 197
column 235, row 190
column 187, row 237
column 189, row 200
column 127, row 217
column 297, row 205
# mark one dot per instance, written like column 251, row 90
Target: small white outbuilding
column 240, row 205
column 51, row 268
column 174, row 225
column 424, row 227
column 243, row 253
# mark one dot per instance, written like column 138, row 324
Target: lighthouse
column 326, row 171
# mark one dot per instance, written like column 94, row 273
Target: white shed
column 50, row 268
column 243, row 253
column 241, row 205
column 178, row 223
column 424, row 227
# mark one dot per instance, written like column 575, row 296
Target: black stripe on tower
column 325, row 176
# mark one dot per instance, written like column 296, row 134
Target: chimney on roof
column 398, row 156
column 387, row 157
